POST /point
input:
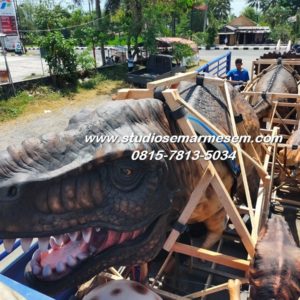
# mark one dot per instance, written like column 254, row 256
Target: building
column 241, row 31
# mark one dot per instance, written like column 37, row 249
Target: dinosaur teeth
column 43, row 244
column 8, row 245
column 47, row 271
column 53, row 243
column 71, row 261
column 59, row 239
column 82, row 256
column 87, row 234
column 36, row 270
column 74, row 235
column 25, row 244
column 36, row 255
column 60, row 267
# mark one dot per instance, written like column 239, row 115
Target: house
column 241, row 31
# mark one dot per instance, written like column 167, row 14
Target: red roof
column 172, row 40
column 202, row 7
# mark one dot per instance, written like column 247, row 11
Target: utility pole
column 2, row 37
column 99, row 23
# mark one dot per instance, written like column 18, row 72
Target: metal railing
column 218, row 66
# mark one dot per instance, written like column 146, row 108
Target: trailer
column 209, row 274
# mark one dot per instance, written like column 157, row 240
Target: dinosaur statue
column 291, row 157
column 95, row 205
column 277, row 80
column 122, row 290
column 275, row 274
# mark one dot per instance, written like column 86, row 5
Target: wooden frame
column 209, row 177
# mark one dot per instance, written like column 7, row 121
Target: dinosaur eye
column 126, row 174
column 127, row 171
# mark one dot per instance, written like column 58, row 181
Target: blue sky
column 237, row 6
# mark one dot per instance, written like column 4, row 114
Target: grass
column 41, row 98
column 15, row 106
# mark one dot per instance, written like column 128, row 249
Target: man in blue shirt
column 238, row 74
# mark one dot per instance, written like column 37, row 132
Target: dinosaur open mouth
column 69, row 250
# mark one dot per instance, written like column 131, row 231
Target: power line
column 63, row 28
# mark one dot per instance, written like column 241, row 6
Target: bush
column 180, row 51
column 60, row 56
column 85, row 62
column 200, row 38
column 282, row 32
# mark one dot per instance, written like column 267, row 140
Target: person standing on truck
column 238, row 74
column 130, row 63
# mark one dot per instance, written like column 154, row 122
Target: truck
column 157, row 67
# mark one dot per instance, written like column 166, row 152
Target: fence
column 218, row 66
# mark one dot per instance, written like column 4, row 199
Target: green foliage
column 180, row 51
column 60, row 56
column 282, row 32
column 85, row 61
column 251, row 14
column 200, row 38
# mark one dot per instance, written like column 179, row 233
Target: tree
column 218, row 10
column 60, row 56
column 180, row 51
column 251, row 14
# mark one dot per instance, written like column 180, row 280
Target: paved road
column 30, row 65
column 247, row 55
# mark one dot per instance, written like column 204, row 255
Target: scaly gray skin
column 284, row 82
column 59, row 184
column 275, row 270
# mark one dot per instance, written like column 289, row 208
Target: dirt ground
column 47, row 117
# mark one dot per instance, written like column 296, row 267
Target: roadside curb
column 273, row 47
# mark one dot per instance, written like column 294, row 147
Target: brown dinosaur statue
column 274, row 273
column 276, row 80
column 94, row 204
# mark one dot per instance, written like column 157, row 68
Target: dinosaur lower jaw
column 68, row 251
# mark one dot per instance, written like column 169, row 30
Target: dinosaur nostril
column 12, row 191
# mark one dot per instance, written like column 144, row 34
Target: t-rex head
column 98, row 207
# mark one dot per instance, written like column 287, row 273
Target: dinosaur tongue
column 70, row 250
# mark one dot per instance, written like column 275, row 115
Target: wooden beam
column 166, row 295
column 133, row 94
column 276, row 96
column 260, row 170
column 218, row 185
column 212, row 290
column 284, row 121
column 268, row 61
column 171, row 80
column 234, row 287
column 216, row 257
column 239, row 153
column 190, row 207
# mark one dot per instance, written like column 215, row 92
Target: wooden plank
column 261, row 171
column 190, row 207
column 239, row 154
column 263, row 196
column 276, row 96
column 234, row 287
column 268, row 61
column 166, row 295
column 212, row 290
column 284, row 121
column 133, row 94
column 219, row 258
column 287, row 201
column 171, row 80
column 224, row 197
